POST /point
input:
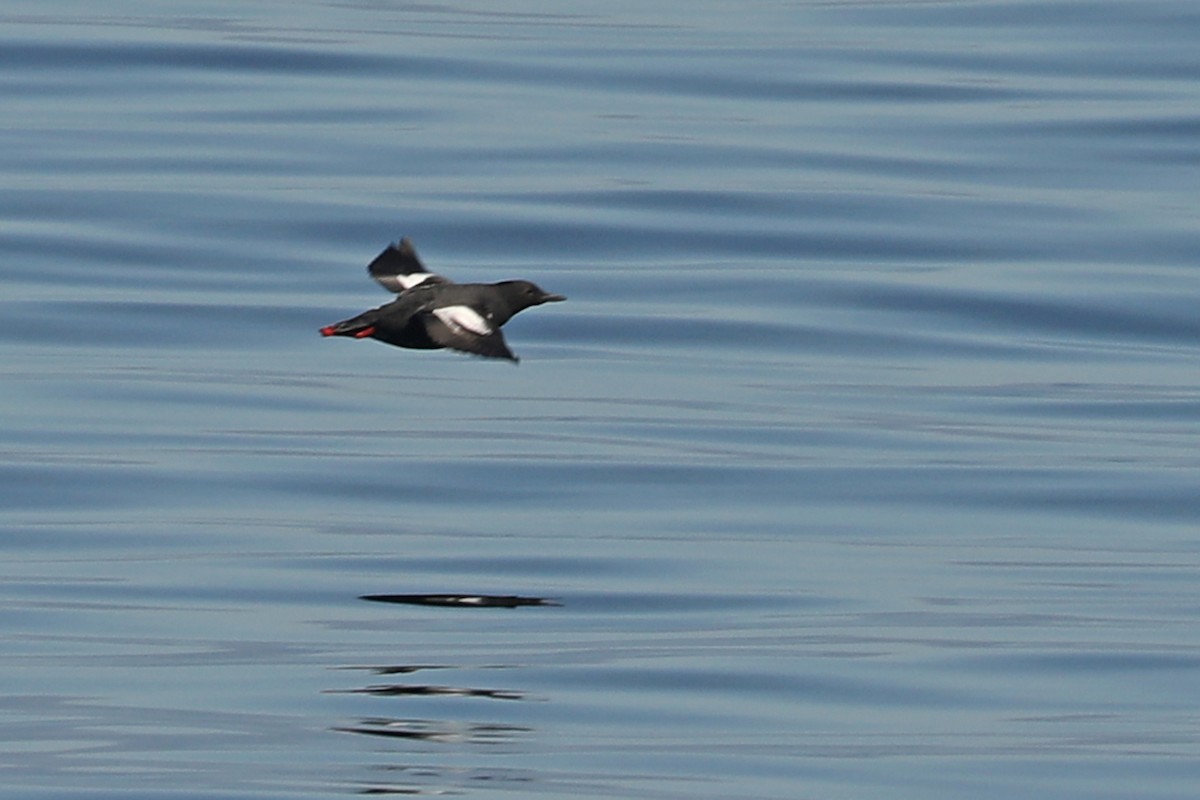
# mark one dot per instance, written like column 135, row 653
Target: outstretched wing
column 397, row 268
column 463, row 328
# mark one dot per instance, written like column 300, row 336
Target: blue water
column 863, row 460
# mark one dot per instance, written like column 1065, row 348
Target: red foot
column 332, row 330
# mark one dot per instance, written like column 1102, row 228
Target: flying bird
column 431, row 312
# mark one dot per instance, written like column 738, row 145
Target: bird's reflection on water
column 422, row 735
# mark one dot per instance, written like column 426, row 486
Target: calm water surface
column 863, row 461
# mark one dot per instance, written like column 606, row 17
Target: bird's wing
column 463, row 328
column 398, row 268
column 464, row 320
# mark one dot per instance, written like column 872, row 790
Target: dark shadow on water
column 461, row 600
column 411, row 779
column 402, row 690
column 399, row 669
column 440, row 731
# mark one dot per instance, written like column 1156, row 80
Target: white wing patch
column 463, row 319
column 412, row 279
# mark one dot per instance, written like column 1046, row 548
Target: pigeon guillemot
column 431, row 312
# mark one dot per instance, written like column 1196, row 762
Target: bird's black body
column 432, row 312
